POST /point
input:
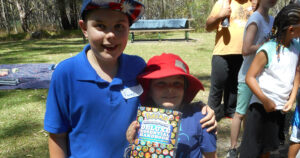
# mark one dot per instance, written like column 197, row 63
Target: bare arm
column 288, row 106
column 132, row 131
column 256, row 67
column 249, row 46
column 214, row 19
column 210, row 155
column 58, row 145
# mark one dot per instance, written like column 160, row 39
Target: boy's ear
column 83, row 27
column 291, row 29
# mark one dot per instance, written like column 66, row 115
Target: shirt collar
column 85, row 72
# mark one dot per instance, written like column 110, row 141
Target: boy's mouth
column 109, row 48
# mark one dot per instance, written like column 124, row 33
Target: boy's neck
column 241, row 1
column 107, row 70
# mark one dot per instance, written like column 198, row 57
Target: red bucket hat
column 166, row 65
column 132, row 8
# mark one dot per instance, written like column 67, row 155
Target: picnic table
column 161, row 25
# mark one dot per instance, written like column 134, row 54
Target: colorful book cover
column 158, row 133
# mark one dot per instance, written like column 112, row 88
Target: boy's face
column 107, row 32
column 295, row 32
column 167, row 92
column 268, row 3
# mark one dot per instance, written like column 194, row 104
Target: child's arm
column 58, row 145
column 131, row 131
column 218, row 13
column 288, row 106
column 256, row 67
column 209, row 120
column 248, row 45
column 210, row 155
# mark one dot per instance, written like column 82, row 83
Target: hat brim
column 194, row 84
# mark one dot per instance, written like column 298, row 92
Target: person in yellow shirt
column 227, row 54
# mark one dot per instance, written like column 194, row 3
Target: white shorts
column 295, row 136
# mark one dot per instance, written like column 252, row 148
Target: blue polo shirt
column 93, row 112
column 193, row 141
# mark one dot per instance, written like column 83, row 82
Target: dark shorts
column 262, row 131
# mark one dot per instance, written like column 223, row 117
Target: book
column 158, row 133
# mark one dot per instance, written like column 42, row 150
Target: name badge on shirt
column 132, row 92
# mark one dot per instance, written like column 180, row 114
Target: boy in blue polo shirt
column 93, row 96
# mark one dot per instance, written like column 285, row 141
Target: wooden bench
column 161, row 25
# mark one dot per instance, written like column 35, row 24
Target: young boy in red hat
column 94, row 96
column 168, row 84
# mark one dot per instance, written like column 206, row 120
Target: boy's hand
column 225, row 11
column 209, row 120
column 288, row 106
column 269, row 105
column 131, row 131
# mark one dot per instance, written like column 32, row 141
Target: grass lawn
column 22, row 111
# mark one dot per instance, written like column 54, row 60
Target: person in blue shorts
column 295, row 135
column 93, row 96
column 168, row 84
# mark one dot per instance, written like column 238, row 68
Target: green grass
column 22, row 111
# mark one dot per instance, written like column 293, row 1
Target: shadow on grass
column 25, row 51
column 28, row 151
column 19, row 129
column 204, row 49
column 21, row 97
column 205, row 80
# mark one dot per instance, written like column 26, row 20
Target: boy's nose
column 109, row 36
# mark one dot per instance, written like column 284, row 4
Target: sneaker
column 232, row 153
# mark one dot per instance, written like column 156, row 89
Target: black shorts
column 262, row 131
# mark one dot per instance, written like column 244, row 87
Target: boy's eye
column 178, row 84
column 101, row 26
column 161, row 84
column 119, row 27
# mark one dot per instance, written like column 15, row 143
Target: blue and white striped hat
column 132, row 8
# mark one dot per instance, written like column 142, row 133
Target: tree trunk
column 22, row 16
column 73, row 14
column 6, row 22
column 63, row 14
column 13, row 18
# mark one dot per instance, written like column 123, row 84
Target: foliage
column 32, row 15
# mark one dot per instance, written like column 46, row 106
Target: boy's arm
column 256, row 67
column 249, row 46
column 218, row 13
column 210, row 155
column 58, row 145
column 132, row 131
column 209, row 120
column 288, row 106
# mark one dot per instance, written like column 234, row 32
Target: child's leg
column 251, row 145
column 295, row 135
column 271, row 132
column 293, row 150
column 243, row 99
column 235, row 129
